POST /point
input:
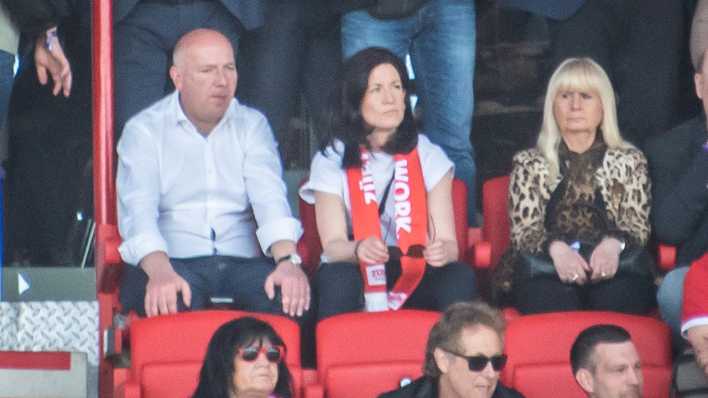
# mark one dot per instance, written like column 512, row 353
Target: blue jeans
column 7, row 62
column 670, row 299
column 440, row 38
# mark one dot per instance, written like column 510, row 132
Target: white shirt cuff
column 134, row 249
column 693, row 322
column 282, row 229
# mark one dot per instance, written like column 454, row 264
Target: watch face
column 296, row 259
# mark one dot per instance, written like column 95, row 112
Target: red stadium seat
column 167, row 351
column 310, row 246
column 495, row 229
column 539, row 352
column 361, row 355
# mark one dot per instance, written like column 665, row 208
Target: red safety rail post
column 103, row 181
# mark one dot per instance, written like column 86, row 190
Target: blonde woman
column 579, row 205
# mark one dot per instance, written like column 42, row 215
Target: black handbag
column 633, row 261
column 394, row 9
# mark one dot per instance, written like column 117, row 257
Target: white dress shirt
column 191, row 195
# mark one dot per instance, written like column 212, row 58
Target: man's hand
column 163, row 285
column 294, row 288
column 49, row 59
column 570, row 266
column 604, row 259
column 698, row 337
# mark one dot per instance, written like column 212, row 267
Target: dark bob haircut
column 346, row 121
column 216, row 376
column 584, row 345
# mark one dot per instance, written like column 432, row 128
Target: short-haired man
column 463, row 357
column 606, row 364
column 201, row 198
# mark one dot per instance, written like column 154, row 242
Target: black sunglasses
column 415, row 251
column 477, row 363
column 274, row 354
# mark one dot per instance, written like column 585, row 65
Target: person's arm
column 441, row 247
column 698, row 338
column 633, row 216
column 138, row 184
column 681, row 199
column 526, row 205
column 694, row 311
column 278, row 231
column 330, row 213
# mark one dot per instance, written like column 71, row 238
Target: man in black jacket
column 678, row 162
column 463, row 356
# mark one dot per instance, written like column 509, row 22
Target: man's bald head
column 196, row 38
column 204, row 73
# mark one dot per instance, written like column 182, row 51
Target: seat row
column 361, row 355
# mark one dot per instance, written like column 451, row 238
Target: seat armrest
column 482, row 255
column 314, row 391
column 666, row 257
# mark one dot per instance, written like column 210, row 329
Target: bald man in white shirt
column 202, row 205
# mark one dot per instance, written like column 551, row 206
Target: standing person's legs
column 270, row 65
column 647, row 65
column 360, row 30
column 443, row 57
column 7, row 76
column 143, row 44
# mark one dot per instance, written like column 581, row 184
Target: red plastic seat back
column 310, row 245
column 496, row 227
column 167, row 351
column 361, row 355
column 539, row 352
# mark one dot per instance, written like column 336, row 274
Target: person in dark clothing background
column 48, row 181
column 678, row 162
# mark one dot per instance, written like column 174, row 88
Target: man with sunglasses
column 606, row 364
column 463, row 357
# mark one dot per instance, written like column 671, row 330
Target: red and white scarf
column 408, row 189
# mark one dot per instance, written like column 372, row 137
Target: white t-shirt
column 327, row 175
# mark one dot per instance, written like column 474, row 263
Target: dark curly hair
column 346, row 121
column 216, row 376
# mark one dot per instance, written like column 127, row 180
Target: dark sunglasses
column 477, row 363
column 274, row 354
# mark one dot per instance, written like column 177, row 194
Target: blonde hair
column 578, row 74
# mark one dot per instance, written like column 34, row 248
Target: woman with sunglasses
column 463, row 357
column 383, row 200
column 245, row 358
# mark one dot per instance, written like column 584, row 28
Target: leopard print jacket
column 624, row 184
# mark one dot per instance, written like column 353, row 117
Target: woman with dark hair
column 383, row 200
column 245, row 358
